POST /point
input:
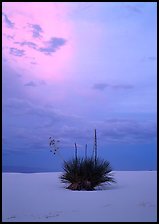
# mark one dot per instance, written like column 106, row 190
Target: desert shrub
column 86, row 174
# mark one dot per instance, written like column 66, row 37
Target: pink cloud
column 54, row 23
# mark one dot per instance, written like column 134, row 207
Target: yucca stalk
column 95, row 147
column 75, row 151
column 86, row 151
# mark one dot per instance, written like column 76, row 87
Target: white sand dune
column 41, row 197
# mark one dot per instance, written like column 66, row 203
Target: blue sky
column 69, row 68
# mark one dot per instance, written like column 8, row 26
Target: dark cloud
column 29, row 124
column 36, row 124
column 26, row 107
column 152, row 58
column 110, row 131
column 129, row 131
column 52, row 45
column 133, row 8
column 36, row 30
column 49, row 46
column 100, row 86
column 27, row 43
column 17, row 52
column 122, row 86
column 103, row 86
column 9, row 37
column 8, row 22
column 31, row 83
column 74, row 133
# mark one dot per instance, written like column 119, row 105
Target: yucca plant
column 86, row 174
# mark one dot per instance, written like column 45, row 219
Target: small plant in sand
column 84, row 173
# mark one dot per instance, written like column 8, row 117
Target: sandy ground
column 41, row 197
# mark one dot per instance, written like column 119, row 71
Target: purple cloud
column 31, row 83
column 17, row 52
column 49, row 46
column 52, row 45
column 8, row 22
column 103, row 86
column 27, row 43
column 36, row 30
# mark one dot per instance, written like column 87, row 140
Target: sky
column 69, row 68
